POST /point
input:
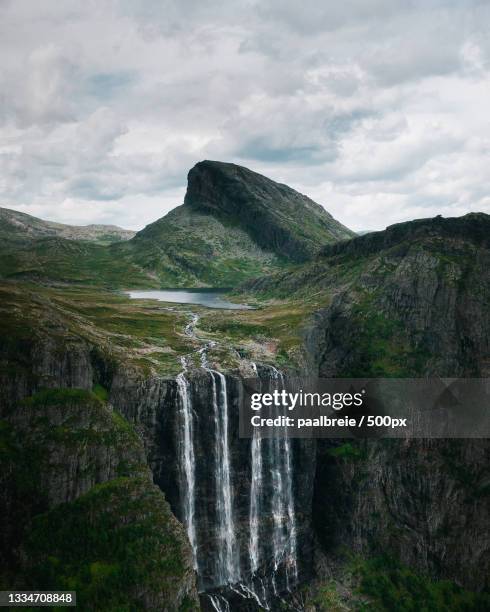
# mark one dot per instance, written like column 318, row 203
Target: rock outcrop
column 278, row 218
column 235, row 224
column 79, row 507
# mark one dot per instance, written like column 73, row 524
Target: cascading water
column 187, row 466
column 227, row 561
column 255, row 499
column 284, row 534
column 272, row 566
column 272, row 469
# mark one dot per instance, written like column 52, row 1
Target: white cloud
column 375, row 108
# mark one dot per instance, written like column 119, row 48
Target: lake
column 210, row 298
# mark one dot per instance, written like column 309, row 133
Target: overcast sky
column 376, row 109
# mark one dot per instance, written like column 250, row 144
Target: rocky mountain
column 15, row 225
column 411, row 300
column 234, row 224
column 276, row 217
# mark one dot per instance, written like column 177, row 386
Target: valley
column 127, row 409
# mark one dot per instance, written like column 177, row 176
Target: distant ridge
column 16, row 224
column 472, row 226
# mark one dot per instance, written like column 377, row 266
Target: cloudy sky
column 376, row 109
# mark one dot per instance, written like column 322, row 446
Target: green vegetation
column 116, row 545
column 328, row 599
column 63, row 260
column 347, row 451
column 143, row 333
column 382, row 348
column 382, row 584
column 393, row 587
column 272, row 332
column 61, row 397
column 101, row 392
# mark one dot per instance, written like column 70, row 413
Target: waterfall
column 227, row 561
column 255, row 498
column 278, row 453
column 187, row 462
column 273, row 561
column 291, row 560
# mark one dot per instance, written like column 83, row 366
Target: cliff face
column 154, row 406
column 423, row 502
column 78, row 504
column 411, row 301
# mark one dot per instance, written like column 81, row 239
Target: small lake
column 205, row 297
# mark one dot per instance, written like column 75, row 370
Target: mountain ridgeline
column 234, row 224
column 411, row 300
column 18, row 226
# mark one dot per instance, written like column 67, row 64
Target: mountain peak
column 276, row 216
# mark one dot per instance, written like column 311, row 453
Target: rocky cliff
column 278, row 218
column 79, row 507
column 409, row 301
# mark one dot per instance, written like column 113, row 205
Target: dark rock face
column 73, row 470
column 278, row 218
column 416, row 306
column 471, row 227
column 423, row 502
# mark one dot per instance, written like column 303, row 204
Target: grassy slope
column 186, row 249
column 206, row 253
column 149, row 334
column 59, row 259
